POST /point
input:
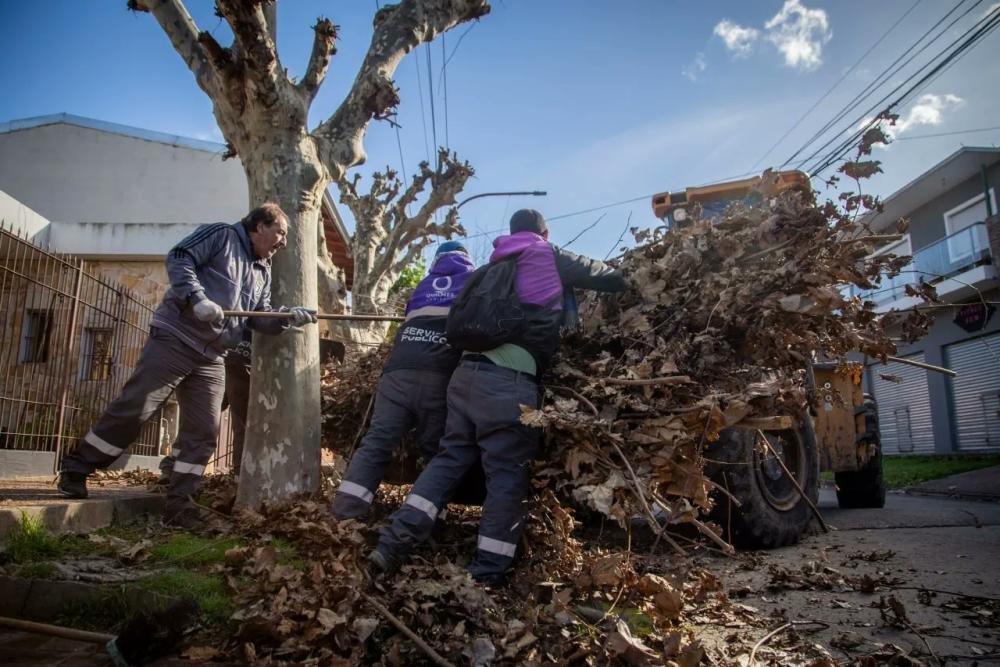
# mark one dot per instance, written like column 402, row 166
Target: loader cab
column 678, row 209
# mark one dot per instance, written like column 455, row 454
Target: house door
column 904, row 407
column 975, row 393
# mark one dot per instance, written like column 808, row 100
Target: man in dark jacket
column 485, row 396
column 411, row 392
column 218, row 267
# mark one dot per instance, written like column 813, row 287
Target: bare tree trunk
column 282, row 448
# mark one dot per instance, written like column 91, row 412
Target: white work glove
column 301, row 316
column 207, row 310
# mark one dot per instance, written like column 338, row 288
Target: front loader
column 769, row 475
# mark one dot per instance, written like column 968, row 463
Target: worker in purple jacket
column 485, row 397
column 412, row 390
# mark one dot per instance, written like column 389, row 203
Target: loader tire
column 771, row 513
column 866, row 487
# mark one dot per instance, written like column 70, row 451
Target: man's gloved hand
column 208, row 311
column 301, row 316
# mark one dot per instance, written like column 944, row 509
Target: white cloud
column 737, row 38
column 928, row 110
column 694, row 70
column 799, row 33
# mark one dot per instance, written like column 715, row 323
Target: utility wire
column 947, row 55
column 946, row 134
column 879, row 80
column 834, row 86
column 968, row 40
column 444, row 80
column 430, row 93
column 423, row 116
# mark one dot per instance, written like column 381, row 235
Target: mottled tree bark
column 262, row 113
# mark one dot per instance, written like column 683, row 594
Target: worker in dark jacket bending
column 485, row 396
column 219, row 266
column 411, row 392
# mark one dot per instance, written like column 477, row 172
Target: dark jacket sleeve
column 267, row 325
column 191, row 252
column 586, row 273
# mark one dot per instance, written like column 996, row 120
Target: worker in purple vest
column 485, row 396
column 411, row 392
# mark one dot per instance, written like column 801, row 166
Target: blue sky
column 595, row 102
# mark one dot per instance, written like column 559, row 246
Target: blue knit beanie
column 451, row 246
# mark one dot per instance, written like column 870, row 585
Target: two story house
column 954, row 239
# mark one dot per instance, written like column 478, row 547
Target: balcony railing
column 935, row 263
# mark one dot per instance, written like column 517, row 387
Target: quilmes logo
column 441, row 284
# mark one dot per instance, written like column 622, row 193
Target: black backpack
column 487, row 312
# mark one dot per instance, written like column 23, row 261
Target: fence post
column 70, row 351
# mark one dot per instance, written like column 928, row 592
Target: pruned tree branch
column 398, row 30
column 183, row 33
column 324, row 48
column 259, row 53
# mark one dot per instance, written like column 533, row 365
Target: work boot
column 72, row 484
column 187, row 519
column 161, row 484
column 381, row 566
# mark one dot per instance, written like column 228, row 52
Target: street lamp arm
column 533, row 193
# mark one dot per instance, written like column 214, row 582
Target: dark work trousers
column 166, row 365
column 236, row 399
column 405, row 398
column 483, row 421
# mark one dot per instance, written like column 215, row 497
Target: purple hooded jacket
column 420, row 342
column 546, row 275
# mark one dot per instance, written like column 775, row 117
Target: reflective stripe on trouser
column 405, row 398
column 166, row 365
column 483, row 420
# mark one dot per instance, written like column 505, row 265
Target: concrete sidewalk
column 37, row 498
column 982, row 484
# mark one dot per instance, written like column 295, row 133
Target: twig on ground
column 781, row 628
column 798, row 487
column 944, row 592
column 669, row 379
column 580, row 397
column 402, row 627
column 930, row 651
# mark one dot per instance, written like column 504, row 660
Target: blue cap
column 451, row 246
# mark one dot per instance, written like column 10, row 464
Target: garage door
column 904, row 407
column 975, row 393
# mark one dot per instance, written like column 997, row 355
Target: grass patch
column 906, row 471
column 30, row 542
column 39, row 570
column 208, row 591
column 288, row 554
column 191, row 550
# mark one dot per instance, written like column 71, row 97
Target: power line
column 430, row 93
column 444, row 80
column 968, row 40
column 879, row 80
column 946, row 134
column 834, row 86
column 423, row 115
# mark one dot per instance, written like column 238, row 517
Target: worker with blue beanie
column 412, row 391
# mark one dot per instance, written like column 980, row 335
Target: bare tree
column 387, row 238
column 262, row 112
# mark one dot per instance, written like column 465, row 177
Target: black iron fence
column 69, row 341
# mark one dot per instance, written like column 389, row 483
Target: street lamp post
column 533, row 193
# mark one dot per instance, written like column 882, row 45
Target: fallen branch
column 778, row 630
column 920, row 364
column 402, row 627
column 795, row 482
column 669, row 379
